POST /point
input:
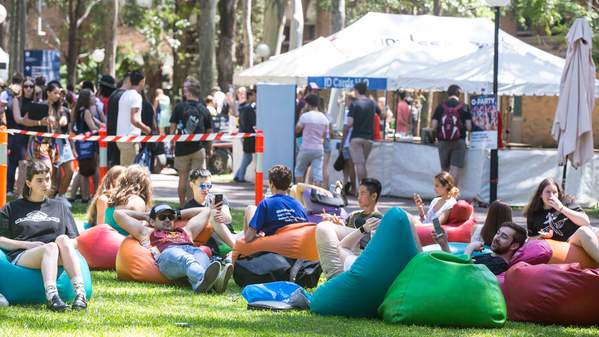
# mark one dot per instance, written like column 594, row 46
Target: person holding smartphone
column 446, row 192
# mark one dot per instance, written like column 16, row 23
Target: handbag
column 339, row 162
column 144, row 157
column 264, row 267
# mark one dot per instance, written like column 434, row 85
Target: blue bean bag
column 359, row 291
column 457, row 248
column 22, row 285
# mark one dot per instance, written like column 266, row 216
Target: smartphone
column 437, row 226
column 218, row 198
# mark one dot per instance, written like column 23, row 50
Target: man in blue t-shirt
column 274, row 212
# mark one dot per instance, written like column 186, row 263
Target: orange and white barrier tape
column 138, row 139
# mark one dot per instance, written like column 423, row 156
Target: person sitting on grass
column 133, row 191
column 99, row 203
column 36, row 232
column 509, row 238
column 173, row 247
column 274, row 212
column 441, row 206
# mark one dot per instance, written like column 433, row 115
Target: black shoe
column 56, row 304
column 80, row 303
column 84, row 201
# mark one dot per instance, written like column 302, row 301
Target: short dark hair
column 373, row 186
column 199, row 173
column 280, row 176
column 454, row 90
column 312, row 100
column 136, row 77
column 361, row 88
column 250, row 92
column 17, row 78
column 193, row 86
column 33, row 168
column 87, row 84
column 520, row 234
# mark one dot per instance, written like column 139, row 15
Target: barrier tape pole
column 103, row 156
column 3, row 164
column 259, row 159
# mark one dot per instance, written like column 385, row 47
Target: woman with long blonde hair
column 133, row 191
column 99, row 203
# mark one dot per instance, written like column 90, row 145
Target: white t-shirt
column 431, row 214
column 314, row 125
column 129, row 100
column 4, row 98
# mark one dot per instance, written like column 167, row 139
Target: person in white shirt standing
column 129, row 118
column 313, row 125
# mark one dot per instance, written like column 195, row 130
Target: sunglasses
column 30, row 86
column 205, row 186
column 163, row 217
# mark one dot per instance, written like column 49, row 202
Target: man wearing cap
column 173, row 247
column 313, row 126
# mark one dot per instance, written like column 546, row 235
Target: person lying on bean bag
column 274, row 212
column 173, row 247
column 509, row 238
column 36, row 233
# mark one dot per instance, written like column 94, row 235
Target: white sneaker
column 222, row 280
column 210, row 276
column 3, row 301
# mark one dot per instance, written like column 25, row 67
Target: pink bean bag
column 99, row 246
column 458, row 227
column 533, row 252
column 552, row 294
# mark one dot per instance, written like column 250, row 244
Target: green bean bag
column 359, row 291
column 22, row 285
column 438, row 288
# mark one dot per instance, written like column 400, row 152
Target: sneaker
column 80, row 302
column 56, row 304
column 3, row 301
column 210, row 276
column 223, row 278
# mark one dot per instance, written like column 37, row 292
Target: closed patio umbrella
column 572, row 126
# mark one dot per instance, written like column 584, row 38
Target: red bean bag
column 564, row 252
column 99, row 246
column 136, row 263
column 552, row 294
column 459, row 225
column 297, row 241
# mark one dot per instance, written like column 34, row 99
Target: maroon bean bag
column 99, row 246
column 458, row 227
column 552, row 294
column 533, row 252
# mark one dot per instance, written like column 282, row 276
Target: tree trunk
column 296, row 31
column 206, row 23
column 73, row 41
column 226, row 43
column 109, row 65
column 17, row 35
column 437, row 7
column 248, row 35
column 274, row 23
column 338, row 15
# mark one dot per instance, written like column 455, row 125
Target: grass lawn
column 134, row 309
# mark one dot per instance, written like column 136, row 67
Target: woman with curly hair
column 99, row 203
column 133, row 191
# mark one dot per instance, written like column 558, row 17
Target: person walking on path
column 247, row 123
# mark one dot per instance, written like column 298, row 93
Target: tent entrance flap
column 325, row 82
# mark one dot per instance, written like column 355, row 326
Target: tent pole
column 494, row 156
column 564, row 176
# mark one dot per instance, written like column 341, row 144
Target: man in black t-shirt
column 112, row 115
column 360, row 119
column 509, row 238
column 451, row 120
column 247, row 123
column 190, row 155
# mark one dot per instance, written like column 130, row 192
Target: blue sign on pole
column 44, row 63
column 374, row 83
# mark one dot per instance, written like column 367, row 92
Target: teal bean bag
column 359, row 291
column 441, row 289
column 22, row 285
column 457, row 248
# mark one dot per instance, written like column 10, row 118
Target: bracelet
column 178, row 214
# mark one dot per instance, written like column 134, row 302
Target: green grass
column 130, row 309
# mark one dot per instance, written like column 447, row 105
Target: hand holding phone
column 218, row 199
column 437, row 225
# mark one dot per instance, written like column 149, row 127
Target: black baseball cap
column 161, row 208
column 107, row 81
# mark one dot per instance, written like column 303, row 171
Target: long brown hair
column 498, row 213
column 105, row 188
column 446, row 180
column 33, row 168
column 135, row 180
column 536, row 202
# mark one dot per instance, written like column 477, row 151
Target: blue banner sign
column 44, row 63
column 374, row 83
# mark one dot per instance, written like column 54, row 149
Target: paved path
column 241, row 195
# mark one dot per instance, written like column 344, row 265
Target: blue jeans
column 188, row 261
column 245, row 162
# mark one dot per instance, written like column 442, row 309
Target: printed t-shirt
column 551, row 219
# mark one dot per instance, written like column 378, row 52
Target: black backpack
column 264, row 267
column 194, row 119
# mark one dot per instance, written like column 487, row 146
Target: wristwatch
column 177, row 214
column 362, row 230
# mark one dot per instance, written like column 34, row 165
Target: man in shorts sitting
column 172, row 247
column 276, row 211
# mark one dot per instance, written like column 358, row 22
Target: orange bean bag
column 459, row 225
column 296, row 241
column 136, row 263
column 99, row 246
column 564, row 252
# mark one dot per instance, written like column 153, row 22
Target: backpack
column 450, row 127
column 194, row 120
column 264, row 267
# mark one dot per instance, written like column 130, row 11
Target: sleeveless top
column 109, row 220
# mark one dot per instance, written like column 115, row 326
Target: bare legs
column 587, row 238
